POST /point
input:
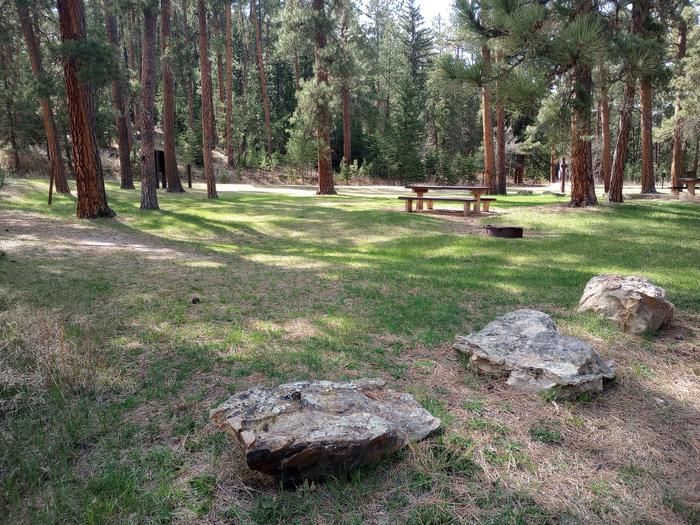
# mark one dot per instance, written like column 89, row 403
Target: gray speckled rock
column 526, row 346
column 309, row 429
column 633, row 303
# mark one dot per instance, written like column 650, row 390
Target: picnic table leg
column 430, row 205
column 467, row 210
column 486, row 205
column 477, row 203
column 691, row 188
column 419, row 204
column 409, row 205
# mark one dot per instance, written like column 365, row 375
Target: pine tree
column 92, row 199
column 326, row 185
column 149, row 177
column 171, row 172
column 263, row 77
column 58, row 171
column 119, row 102
column 229, row 86
column 207, row 102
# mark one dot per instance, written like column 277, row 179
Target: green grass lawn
column 109, row 370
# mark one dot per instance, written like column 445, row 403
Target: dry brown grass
column 36, row 354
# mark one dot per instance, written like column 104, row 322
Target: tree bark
column 207, row 103
column 501, row 171
column 347, row 129
column 53, row 146
column 618, row 170
column 487, row 119
column 189, row 87
column 553, row 161
column 582, row 184
column 172, row 175
column 92, row 199
column 325, row 169
column 519, row 172
column 623, row 130
column 149, row 180
column 263, row 80
column 12, row 120
column 219, row 61
column 134, row 65
column 230, row 160
column 119, row 102
column 646, row 97
column 678, row 154
column 606, row 155
column 501, row 149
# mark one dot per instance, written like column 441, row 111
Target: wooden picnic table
column 422, row 189
column 690, row 182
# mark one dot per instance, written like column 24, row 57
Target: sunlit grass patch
column 292, row 288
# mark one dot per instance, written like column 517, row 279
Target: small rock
column 523, row 192
column 633, row 303
column 679, row 337
column 195, row 300
column 526, row 346
column 310, row 429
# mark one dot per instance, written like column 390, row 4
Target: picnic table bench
column 466, row 201
column 421, row 189
column 686, row 182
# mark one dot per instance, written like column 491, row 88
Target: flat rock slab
column 633, row 303
column 526, row 346
column 311, row 429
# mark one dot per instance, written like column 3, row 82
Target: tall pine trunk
column 11, row 124
column 92, row 199
column 501, row 171
column 58, row 171
column 347, row 128
column 553, row 163
column 605, row 153
column 323, row 139
column 207, row 105
column 230, row 160
column 189, row 86
column 617, row 177
column 582, row 184
column 263, row 79
column 487, row 120
column 134, row 65
column 646, row 97
column 149, row 180
column 119, row 102
column 219, row 60
column 171, row 172
column 500, row 149
column 677, row 155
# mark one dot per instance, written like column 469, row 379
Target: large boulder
column 526, row 346
column 310, row 429
column 633, row 303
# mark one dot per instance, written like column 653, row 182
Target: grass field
column 108, row 371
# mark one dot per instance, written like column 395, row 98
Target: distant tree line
column 500, row 91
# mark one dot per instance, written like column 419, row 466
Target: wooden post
column 189, row 175
column 563, row 174
column 419, row 204
column 51, row 187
